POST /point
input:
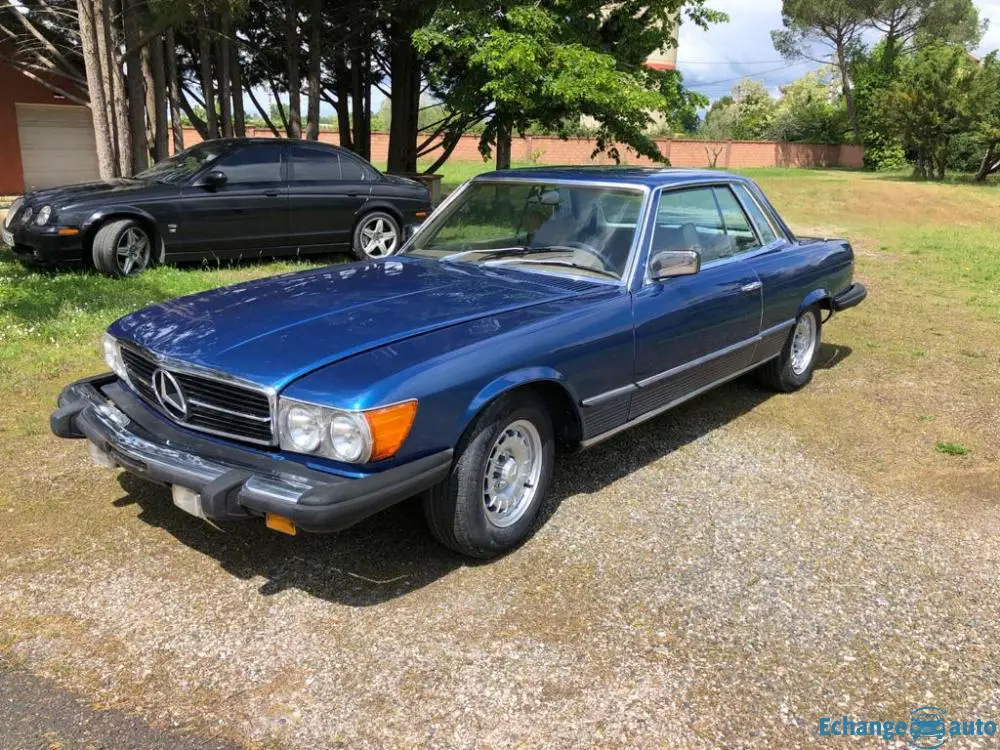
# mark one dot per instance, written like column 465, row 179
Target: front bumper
column 42, row 246
column 231, row 482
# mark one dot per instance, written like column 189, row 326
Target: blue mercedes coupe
column 535, row 311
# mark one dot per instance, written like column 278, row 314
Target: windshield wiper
column 551, row 262
column 517, row 251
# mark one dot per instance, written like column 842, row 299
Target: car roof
column 651, row 177
column 266, row 141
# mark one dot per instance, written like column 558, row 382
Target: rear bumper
column 232, row 482
column 850, row 297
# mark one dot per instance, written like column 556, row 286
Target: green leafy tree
column 986, row 116
column 754, row 111
column 825, row 31
column 810, row 110
column 931, row 102
column 514, row 66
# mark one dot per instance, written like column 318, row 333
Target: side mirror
column 666, row 264
column 215, row 178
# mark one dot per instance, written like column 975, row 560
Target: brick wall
column 682, row 153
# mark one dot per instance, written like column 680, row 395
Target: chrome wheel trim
column 513, row 470
column 378, row 238
column 132, row 251
column 803, row 343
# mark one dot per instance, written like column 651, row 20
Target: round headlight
column 113, row 356
column 26, row 216
column 43, row 216
column 348, row 440
column 304, row 430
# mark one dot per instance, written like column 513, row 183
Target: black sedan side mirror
column 215, row 178
column 666, row 264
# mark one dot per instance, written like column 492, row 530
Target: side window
column 690, row 220
column 741, row 235
column 253, row 164
column 314, row 165
column 352, row 169
column 764, row 226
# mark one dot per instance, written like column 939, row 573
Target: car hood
column 275, row 330
column 85, row 191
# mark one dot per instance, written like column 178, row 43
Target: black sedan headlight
column 43, row 216
column 12, row 212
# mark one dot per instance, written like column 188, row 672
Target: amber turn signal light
column 280, row 523
column 389, row 427
column 67, row 231
column 421, row 214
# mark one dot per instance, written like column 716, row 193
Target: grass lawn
column 918, row 371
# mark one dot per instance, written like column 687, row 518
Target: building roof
column 647, row 176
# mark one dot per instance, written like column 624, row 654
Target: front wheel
column 793, row 368
column 121, row 248
column 498, row 482
column 377, row 235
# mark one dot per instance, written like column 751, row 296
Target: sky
column 712, row 61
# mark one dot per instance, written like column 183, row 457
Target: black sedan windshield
column 184, row 165
column 552, row 228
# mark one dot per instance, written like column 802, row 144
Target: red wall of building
column 14, row 88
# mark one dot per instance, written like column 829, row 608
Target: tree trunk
column 342, row 103
column 139, row 158
column 196, row 122
column 118, row 99
column 277, row 105
column 504, row 139
column 988, row 165
column 95, row 84
column 174, row 91
column 361, row 104
column 845, row 82
column 223, row 73
column 236, row 76
column 263, row 113
column 207, row 82
column 920, row 166
column 312, row 83
column 404, row 70
column 159, row 99
column 294, row 84
column 102, row 19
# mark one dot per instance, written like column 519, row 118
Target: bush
column 965, row 154
column 883, row 154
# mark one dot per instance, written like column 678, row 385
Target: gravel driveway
column 706, row 579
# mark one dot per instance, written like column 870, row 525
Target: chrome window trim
column 640, row 227
column 704, row 359
column 187, row 368
column 779, row 235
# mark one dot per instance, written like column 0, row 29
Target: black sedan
column 228, row 198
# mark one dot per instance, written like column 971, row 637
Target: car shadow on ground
column 393, row 553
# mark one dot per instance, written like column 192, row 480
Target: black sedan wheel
column 122, row 248
column 376, row 236
column 498, row 481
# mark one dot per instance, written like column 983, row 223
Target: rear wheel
column 498, row 481
column 121, row 248
column 793, row 368
column 377, row 235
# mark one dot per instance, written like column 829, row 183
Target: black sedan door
column 326, row 191
column 246, row 215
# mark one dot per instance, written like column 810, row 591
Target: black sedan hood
column 113, row 190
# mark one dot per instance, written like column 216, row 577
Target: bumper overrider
column 222, row 481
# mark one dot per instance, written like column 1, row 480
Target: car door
column 326, row 192
column 245, row 215
column 693, row 331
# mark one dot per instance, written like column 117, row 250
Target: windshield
column 184, row 165
column 577, row 230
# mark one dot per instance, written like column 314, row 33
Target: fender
column 818, row 296
column 516, row 379
column 102, row 214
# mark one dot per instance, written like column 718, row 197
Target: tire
column 466, row 511
column 793, row 368
column 122, row 248
column 377, row 235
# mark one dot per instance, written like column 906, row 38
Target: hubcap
column 378, row 238
column 132, row 251
column 803, row 343
column 513, row 468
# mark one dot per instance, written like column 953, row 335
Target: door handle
column 271, row 193
column 753, row 286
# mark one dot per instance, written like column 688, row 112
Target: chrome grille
column 214, row 405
